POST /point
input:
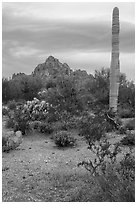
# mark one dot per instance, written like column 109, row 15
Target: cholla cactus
column 115, row 66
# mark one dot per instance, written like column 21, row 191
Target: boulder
column 11, row 140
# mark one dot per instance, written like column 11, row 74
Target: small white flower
column 25, row 106
column 42, row 102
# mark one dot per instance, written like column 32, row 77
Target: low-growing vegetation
column 92, row 127
column 130, row 125
column 129, row 139
column 5, row 111
column 69, row 111
column 10, row 123
column 126, row 113
column 45, row 128
column 117, row 180
column 64, row 139
column 11, row 105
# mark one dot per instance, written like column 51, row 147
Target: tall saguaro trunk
column 115, row 65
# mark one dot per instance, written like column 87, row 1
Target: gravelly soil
column 32, row 171
column 39, row 171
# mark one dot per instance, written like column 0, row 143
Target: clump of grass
column 92, row 128
column 129, row 139
column 10, row 123
column 64, row 139
column 5, row 111
column 12, row 105
column 117, row 181
column 126, row 113
column 130, row 125
column 45, row 127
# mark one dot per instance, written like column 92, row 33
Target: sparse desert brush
column 45, row 127
column 64, row 139
column 59, row 125
column 21, row 120
column 11, row 140
column 12, row 105
column 5, row 111
column 92, row 127
column 10, row 123
column 116, row 180
column 130, row 125
column 129, row 139
column 64, row 125
column 126, row 113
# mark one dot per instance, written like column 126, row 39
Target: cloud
column 70, row 10
column 28, row 37
column 61, row 36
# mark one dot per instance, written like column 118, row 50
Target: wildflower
column 25, row 106
column 35, row 99
column 42, row 102
column 28, row 102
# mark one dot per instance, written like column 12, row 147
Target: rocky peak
column 52, row 66
column 17, row 75
column 51, row 59
column 52, row 62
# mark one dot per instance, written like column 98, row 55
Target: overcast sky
column 76, row 33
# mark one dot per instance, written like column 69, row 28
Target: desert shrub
column 22, row 126
column 20, row 102
column 72, row 122
column 96, row 131
column 36, row 110
column 10, row 123
column 116, row 186
column 59, row 125
column 102, row 150
column 92, row 127
column 129, row 139
column 114, row 122
column 126, row 113
column 4, row 141
column 126, row 179
column 45, row 127
column 21, row 120
column 5, row 111
column 130, row 125
column 33, row 125
column 96, row 125
column 127, row 168
column 64, row 139
column 36, row 125
column 67, row 124
column 116, row 180
column 53, row 115
column 121, row 130
column 12, row 105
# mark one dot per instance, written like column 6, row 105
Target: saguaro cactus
column 115, row 65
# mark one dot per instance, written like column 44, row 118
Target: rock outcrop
column 18, row 75
column 11, row 140
column 53, row 67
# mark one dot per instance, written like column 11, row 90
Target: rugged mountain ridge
column 52, row 66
